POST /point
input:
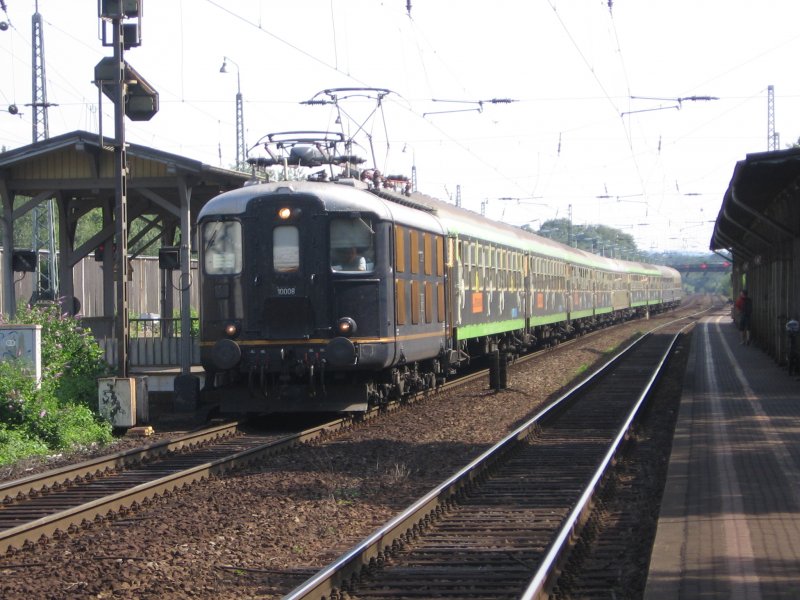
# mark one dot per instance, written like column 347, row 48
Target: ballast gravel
column 258, row 533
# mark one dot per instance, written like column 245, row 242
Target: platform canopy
column 76, row 170
column 759, row 225
column 760, row 209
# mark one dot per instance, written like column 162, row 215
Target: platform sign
column 23, row 345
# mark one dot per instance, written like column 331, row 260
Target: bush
column 79, row 426
column 62, row 411
column 72, row 360
column 16, row 445
column 18, row 396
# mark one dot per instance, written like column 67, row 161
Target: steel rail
column 112, row 462
column 62, row 521
column 336, row 575
column 545, row 575
column 65, row 476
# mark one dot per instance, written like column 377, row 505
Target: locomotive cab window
column 286, row 249
column 352, row 244
column 222, row 245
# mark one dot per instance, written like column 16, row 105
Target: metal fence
column 154, row 342
column 154, row 338
column 150, row 352
column 145, row 289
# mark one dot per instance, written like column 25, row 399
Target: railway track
column 502, row 526
column 66, row 499
column 62, row 500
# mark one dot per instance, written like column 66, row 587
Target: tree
column 88, row 225
column 598, row 239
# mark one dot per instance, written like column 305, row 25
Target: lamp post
column 241, row 152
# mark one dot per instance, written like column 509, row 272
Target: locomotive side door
column 360, row 301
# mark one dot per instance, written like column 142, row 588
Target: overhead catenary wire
column 326, row 64
column 519, row 148
column 600, row 84
column 196, row 105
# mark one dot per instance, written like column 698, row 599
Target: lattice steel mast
column 241, row 146
column 43, row 231
column 773, row 138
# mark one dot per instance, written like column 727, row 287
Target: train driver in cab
column 353, row 260
column 352, row 244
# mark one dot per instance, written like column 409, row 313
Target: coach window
column 352, row 242
column 515, row 266
column 480, row 274
column 469, row 260
column 222, row 245
column 504, row 267
column 285, row 249
column 525, row 267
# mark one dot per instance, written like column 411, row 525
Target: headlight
column 231, row 330
column 346, row 326
column 285, row 213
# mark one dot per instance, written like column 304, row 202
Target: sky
column 601, row 129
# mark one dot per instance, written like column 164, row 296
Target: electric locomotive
column 291, row 323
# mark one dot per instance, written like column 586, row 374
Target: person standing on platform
column 744, row 310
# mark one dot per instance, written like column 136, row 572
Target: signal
column 141, row 98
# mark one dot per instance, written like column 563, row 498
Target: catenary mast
column 43, row 215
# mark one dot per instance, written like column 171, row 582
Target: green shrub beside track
column 62, row 412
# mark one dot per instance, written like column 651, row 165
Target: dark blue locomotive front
column 297, row 299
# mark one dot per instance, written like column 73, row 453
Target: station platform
column 729, row 525
column 162, row 379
